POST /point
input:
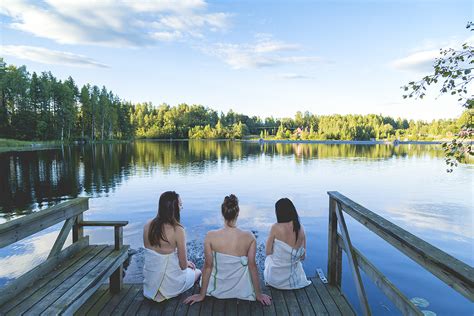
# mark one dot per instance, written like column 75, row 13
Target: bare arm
column 270, row 240
column 208, row 264
column 206, row 273
column 262, row 298
column 304, row 244
column 181, row 246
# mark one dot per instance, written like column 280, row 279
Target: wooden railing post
column 116, row 279
column 334, row 251
column 77, row 230
column 353, row 264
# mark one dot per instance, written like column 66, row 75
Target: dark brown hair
column 285, row 212
column 230, row 208
column 168, row 213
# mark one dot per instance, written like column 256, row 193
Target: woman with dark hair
column 230, row 270
column 285, row 249
column 167, row 271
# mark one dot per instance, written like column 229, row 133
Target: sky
column 265, row 58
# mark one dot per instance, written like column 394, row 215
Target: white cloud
column 423, row 57
column 294, row 76
column 112, row 23
column 419, row 62
column 47, row 56
column 265, row 52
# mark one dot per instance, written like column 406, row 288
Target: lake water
column 406, row 184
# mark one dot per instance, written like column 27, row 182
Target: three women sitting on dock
column 230, row 269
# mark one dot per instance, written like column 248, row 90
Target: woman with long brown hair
column 230, row 270
column 286, row 249
column 167, row 271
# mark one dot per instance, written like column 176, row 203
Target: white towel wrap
column 163, row 277
column 230, row 278
column 283, row 268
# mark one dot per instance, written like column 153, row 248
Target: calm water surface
column 406, row 184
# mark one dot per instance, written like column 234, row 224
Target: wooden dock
column 316, row 299
column 71, row 280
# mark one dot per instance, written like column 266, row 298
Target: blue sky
column 257, row 57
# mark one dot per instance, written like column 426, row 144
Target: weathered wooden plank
column 231, row 307
column 118, row 237
column 332, row 245
column 195, row 309
column 100, row 304
column 207, row 305
column 181, row 308
column 61, row 239
column 256, row 308
column 359, row 285
column 126, row 302
column 326, row 298
column 388, row 288
column 279, row 302
column 145, row 308
column 92, row 301
column 243, row 307
column 291, row 302
column 303, row 302
column 219, row 307
column 136, row 302
column 25, row 226
column 19, row 288
column 102, row 223
column 114, row 302
column 315, row 300
column 157, row 308
column 171, row 305
column 43, row 298
column 268, row 310
column 116, row 280
column 77, row 231
column 91, row 282
column 340, row 300
column 450, row 270
column 50, row 281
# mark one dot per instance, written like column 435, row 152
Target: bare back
column 166, row 247
column 284, row 232
column 231, row 241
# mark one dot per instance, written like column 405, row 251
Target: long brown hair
column 286, row 212
column 168, row 213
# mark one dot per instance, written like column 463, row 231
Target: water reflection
column 37, row 179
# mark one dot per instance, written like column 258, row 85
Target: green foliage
column 41, row 107
column 453, row 73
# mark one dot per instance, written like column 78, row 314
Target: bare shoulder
column 211, row 234
column 248, row 235
column 147, row 225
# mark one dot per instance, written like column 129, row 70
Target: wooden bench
column 69, row 276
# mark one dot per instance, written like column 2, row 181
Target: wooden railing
column 448, row 269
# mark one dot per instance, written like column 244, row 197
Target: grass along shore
column 8, row 144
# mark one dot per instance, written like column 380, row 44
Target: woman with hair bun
column 230, row 270
column 285, row 249
column 167, row 271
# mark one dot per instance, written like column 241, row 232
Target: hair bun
column 231, row 201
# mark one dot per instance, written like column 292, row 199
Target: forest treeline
column 42, row 107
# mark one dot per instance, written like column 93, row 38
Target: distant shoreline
column 38, row 146
column 347, row 142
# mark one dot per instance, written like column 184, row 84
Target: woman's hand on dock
column 264, row 299
column 194, row 299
